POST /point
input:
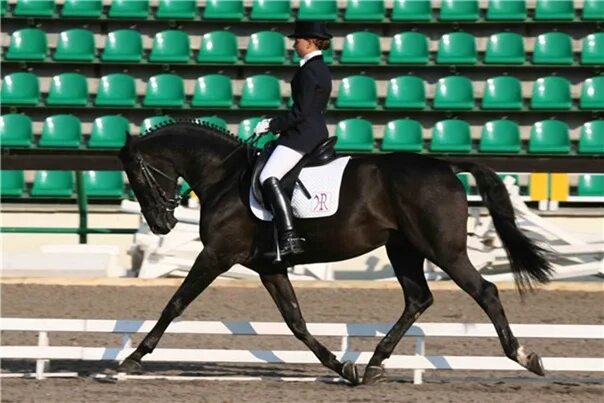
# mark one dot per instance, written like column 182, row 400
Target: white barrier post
column 420, row 349
column 126, row 341
column 345, row 344
column 42, row 365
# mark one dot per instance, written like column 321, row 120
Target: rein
column 168, row 203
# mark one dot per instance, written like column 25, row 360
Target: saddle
column 321, row 155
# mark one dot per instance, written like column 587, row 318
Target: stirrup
column 291, row 246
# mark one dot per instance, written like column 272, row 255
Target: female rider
column 301, row 128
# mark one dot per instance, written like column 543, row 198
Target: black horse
column 412, row 204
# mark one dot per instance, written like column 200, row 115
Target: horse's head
column 153, row 179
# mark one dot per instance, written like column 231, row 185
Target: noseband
column 166, row 202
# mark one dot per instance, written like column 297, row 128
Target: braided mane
column 209, row 128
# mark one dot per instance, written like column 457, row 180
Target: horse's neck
column 203, row 164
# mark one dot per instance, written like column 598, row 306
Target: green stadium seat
column 406, row 92
column 218, row 47
column 593, row 10
column 592, row 93
column 357, row 92
column 454, row 92
column 15, row 130
column 170, row 46
column 506, row 10
column 354, row 135
column 361, row 47
column 123, row 45
column 21, row 88
column 402, row 135
column 551, row 93
column 502, row 92
column 464, row 178
column 75, row 45
column 150, row 122
column 327, row 56
column 554, row 10
column 109, row 132
column 261, row 91
column 459, row 10
column 214, row 120
column 549, row 137
column 27, row 44
column 408, row 48
column 3, row 7
column 592, row 51
column 165, row 90
column 456, row 48
column 591, row 138
column 515, row 177
column 34, row 8
column 451, row 135
column 116, row 89
column 500, row 136
column 61, row 131
column 505, row 48
column 12, row 183
column 553, row 48
column 266, row 47
column 68, row 89
column 53, row 184
column 104, row 184
column 591, row 185
column 213, row 90
column 82, row 8
column 246, row 129
column 364, row 10
column 411, row 10
column 176, row 9
column 326, row 10
column 273, row 10
column 223, row 10
column 129, row 9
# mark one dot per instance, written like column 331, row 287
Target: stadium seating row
column 354, row 10
column 269, row 47
column 61, row 184
column 264, row 91
column 111, row 184
column 356, row 134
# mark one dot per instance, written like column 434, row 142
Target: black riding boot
column 289, row 242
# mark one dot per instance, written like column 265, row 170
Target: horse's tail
column 528, row 260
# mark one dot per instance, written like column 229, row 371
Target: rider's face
column 303, row 46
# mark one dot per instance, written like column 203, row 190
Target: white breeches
column 281, row 161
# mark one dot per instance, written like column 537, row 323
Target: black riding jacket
column 303, row 127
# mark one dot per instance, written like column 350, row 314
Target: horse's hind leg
column 280, row 288
column 461, row 270
column 407, row 263
column 204, row 271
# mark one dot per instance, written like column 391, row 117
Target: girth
column 321, row 155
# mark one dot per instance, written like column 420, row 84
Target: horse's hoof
column 350, row 373
column 534, row 364
column 373, row 374
column 130, row 366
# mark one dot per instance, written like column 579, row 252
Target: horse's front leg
column 205, row 269
column 280, row 288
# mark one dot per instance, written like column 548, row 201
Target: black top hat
column 311, row 29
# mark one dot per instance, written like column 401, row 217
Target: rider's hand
column 262, row 126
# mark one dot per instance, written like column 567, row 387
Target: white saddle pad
column 323, row 184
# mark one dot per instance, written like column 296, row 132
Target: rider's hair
column 321, row 44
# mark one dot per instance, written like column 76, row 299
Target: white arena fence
column 419, row 362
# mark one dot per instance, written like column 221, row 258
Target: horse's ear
column 130, row 140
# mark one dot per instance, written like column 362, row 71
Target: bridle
column 166, row 202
